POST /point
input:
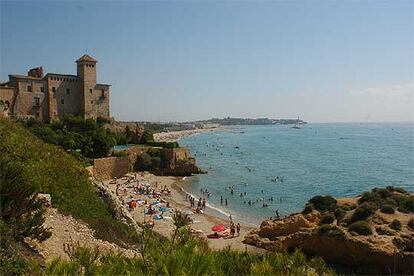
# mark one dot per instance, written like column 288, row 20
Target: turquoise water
column 337, row 159
column 122, row 147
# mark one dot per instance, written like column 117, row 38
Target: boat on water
column 296, row 126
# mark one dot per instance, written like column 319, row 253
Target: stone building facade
column 48, row 97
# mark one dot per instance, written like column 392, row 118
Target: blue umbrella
column 164, row 209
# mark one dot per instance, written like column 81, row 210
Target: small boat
column 296, row 125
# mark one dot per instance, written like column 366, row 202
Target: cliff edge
column 373, row 233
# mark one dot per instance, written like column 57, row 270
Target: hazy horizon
column 188, row 61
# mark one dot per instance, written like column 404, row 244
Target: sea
column 279, row 168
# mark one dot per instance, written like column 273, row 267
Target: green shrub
column 387, row 209
column 410, row 224
column 339, row 213
column 371, row 197
column 395, row 224
column 119, row 153
column 330, row 230
column 327, row 219
column 308, row 208
column 361, row 228
column 364, row 211
column 144, row 162
column 406, row 205
column 396, row 189
column 323, row 203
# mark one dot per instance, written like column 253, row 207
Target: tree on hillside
column 21, row 210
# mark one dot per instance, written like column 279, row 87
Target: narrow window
column 103, row 93
column 53, row 89
column 29, row 88
column 62, row 101
column 90, row 91
column 37, row 101
column 67, row 91
column 42, row 89
column 91, row 102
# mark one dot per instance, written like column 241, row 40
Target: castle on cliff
column 48, row 97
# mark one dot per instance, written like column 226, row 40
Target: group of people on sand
column 201, row 204
column 234, row 229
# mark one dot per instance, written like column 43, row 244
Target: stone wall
column 133, row 152
column 6, row 101
column 110, row 167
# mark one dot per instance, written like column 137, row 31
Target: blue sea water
column 341, row 160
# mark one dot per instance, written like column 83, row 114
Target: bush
column 387, row 209
column 410, row 224
column 406, row 205
column 20, row 209
column 323, row 203
column 308, row 208
column 361, row 228
column 119, row 153
column 327, row 219
column 364, row 211
column 395, row 224
column 144, row 162
column 370, row 197
column 339, row 213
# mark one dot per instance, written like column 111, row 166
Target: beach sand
column 177, row 135
column 165, row 227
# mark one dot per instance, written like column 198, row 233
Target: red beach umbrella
column 219, row 228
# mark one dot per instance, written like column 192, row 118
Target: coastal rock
column 383, row 251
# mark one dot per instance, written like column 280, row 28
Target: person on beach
column 225, row 202
column 232, row 229
column 204, row 204
column 221, row 200
column 238, row 229
column 231, row 219
column 277, row 214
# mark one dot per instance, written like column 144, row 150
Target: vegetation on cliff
column 76, row 135
column 49, row 169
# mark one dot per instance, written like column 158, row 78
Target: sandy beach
column 176, row 200
column 176, row 135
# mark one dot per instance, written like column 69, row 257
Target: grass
column 51, row 170
column 191, row 257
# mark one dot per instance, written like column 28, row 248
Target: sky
column 324, row 61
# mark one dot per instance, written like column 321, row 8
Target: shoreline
column 174, row 136
column 202, row 223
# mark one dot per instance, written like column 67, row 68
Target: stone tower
column 86, row 72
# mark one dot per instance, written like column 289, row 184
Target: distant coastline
column 173, row 136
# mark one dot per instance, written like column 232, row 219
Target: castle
column 51, row 96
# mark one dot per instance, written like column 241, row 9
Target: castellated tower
column 86, row 71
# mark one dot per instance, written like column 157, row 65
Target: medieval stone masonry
column 48, row 97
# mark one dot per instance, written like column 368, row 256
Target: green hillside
column 51, row 170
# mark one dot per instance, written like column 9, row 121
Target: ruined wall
column 6, row 101
column 133, row 153
column 110, row 167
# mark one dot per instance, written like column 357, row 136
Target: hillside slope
column 51, row 170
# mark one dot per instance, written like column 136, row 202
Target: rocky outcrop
column 384, row 251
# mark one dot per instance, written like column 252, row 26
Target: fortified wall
column 110, row 167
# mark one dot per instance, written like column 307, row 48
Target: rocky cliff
column 378, row 242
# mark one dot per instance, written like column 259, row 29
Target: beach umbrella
column 219, row 228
